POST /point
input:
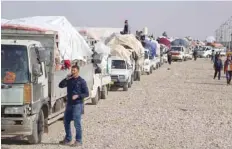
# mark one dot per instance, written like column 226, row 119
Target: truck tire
column 129, row 84
column 132, row 80
column 38, row 129
column 95, row 99
column 151, row 70
column 138, row 76
column 125, row 87
column 104, row 92
column 135, row 76
column 154, row 68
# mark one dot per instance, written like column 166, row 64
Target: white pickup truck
column 121, row 73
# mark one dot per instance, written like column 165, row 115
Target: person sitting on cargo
column 77, row 90
column 126, row 28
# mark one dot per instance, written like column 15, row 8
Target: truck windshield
column 146, row 55
column 14, row 67
column 118, row 64
column 176, row 49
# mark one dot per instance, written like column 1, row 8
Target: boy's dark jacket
column 218, row 64
column 75, row 86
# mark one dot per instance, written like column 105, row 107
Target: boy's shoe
column 65, row 142
column 76, row 144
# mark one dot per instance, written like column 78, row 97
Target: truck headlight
column 146, row 63
column 121, row 77
column 14, row 110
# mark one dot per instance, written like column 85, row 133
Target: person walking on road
column 77, row 90
column 228, row 69
column 213, row 56
column 195, row 55
column 218, row 66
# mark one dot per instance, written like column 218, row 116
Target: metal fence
column 224, row 33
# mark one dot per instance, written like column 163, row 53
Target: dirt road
column 170, row 109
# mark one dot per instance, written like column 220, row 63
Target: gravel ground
column 170, row 109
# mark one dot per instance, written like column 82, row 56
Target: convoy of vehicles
column 30, row 97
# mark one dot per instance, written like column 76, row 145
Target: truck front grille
column 114, row 77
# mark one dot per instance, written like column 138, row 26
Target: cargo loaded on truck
column 31, row 72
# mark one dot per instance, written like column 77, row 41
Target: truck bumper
column 118, row 84
column 146, row 68
column 176, row 57
column 17, row 126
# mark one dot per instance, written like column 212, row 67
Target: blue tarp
column 151, row 46
column 180, row 42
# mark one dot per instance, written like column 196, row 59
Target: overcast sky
column 197, row 19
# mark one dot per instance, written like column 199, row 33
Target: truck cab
column 178, row 53
column 149, row 63
column 121, row 73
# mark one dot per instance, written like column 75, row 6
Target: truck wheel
column 135, row 76
column 151, row 70
column 104, row 92
column 148, row 73
column 129, row 84
column 95, row 99
column 132, row 79
column 125, row 87
column 38, row 129
column 138, row 76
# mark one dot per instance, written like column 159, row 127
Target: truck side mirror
column 44, row 55
column 36, row 70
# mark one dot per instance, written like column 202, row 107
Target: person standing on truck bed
column 77, row 90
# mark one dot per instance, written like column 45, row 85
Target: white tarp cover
column 71, row 44
column 210, row 39
column 3, row 21
column 101, row 48
column 100, row 32
column 87, row 33
column 120, row 51
column 128, row 40
column 157, row 47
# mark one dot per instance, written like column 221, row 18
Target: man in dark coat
column 218, row 66
column 77, row 90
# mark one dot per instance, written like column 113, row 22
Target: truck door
column 39, row 87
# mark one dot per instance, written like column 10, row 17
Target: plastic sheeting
column 180, row 42
column 100, row 32
column 104, row 50
column 210, row 39
column 165, row 42
column 101, row 48
column 120, row 51
column 3, row 21
column 157, row 47
column 71, row 44
column 151, row 46
column 128, row 40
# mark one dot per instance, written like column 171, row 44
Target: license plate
column 7, row 122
